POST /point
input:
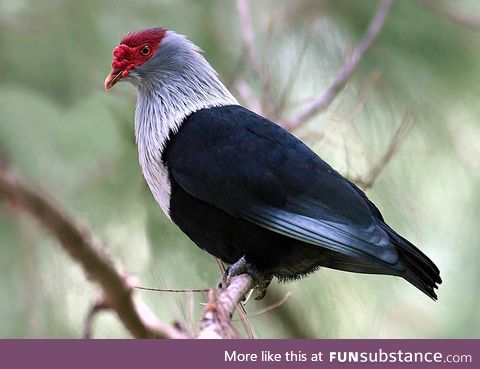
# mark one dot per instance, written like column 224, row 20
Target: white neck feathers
column 175, row 83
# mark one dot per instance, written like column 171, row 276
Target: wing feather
column 249, row 167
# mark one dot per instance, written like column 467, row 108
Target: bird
column 241, row 187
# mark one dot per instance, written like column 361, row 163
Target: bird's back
column 268, row 196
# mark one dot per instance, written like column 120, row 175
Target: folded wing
column 249, row 167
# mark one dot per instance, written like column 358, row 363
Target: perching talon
column 241, row 266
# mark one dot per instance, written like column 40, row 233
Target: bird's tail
column 420, row 270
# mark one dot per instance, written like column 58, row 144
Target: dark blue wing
column 251, row 168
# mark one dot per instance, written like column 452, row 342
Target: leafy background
column 65, row 133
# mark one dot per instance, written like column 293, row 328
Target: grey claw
column 243, row 266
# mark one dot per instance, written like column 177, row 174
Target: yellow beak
column 112, row 79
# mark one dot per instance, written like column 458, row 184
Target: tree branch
column 78, row 241
column 399, row 136
column 292, row 79
column 326, row 98
column 216, row 321
column 248, row 38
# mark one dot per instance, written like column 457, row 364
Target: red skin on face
column 135, row 49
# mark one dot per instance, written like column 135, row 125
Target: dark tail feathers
column 420, row 270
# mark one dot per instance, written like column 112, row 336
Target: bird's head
column 136, row 50
column 172, row 78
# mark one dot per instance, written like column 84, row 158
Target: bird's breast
column 152, row 127
column 157, row 178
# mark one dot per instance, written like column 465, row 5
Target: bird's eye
column 145, row 50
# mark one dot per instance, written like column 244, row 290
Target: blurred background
column 76, row 142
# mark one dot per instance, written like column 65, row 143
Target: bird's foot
column 241, row 266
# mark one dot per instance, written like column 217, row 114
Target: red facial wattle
column 134, row 50
column 123, row 60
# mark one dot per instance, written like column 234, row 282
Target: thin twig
column 216, row 321
column 326, row 98
column 248, row 41
column 399, row 136
column 173, row 289
column 98, row 306
column 244, row 319
column 271, row 307
column 454, row 15
column 287, row 317
column 361, row 99
column 292, row 79
column 78, row 241
column 248, row 97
